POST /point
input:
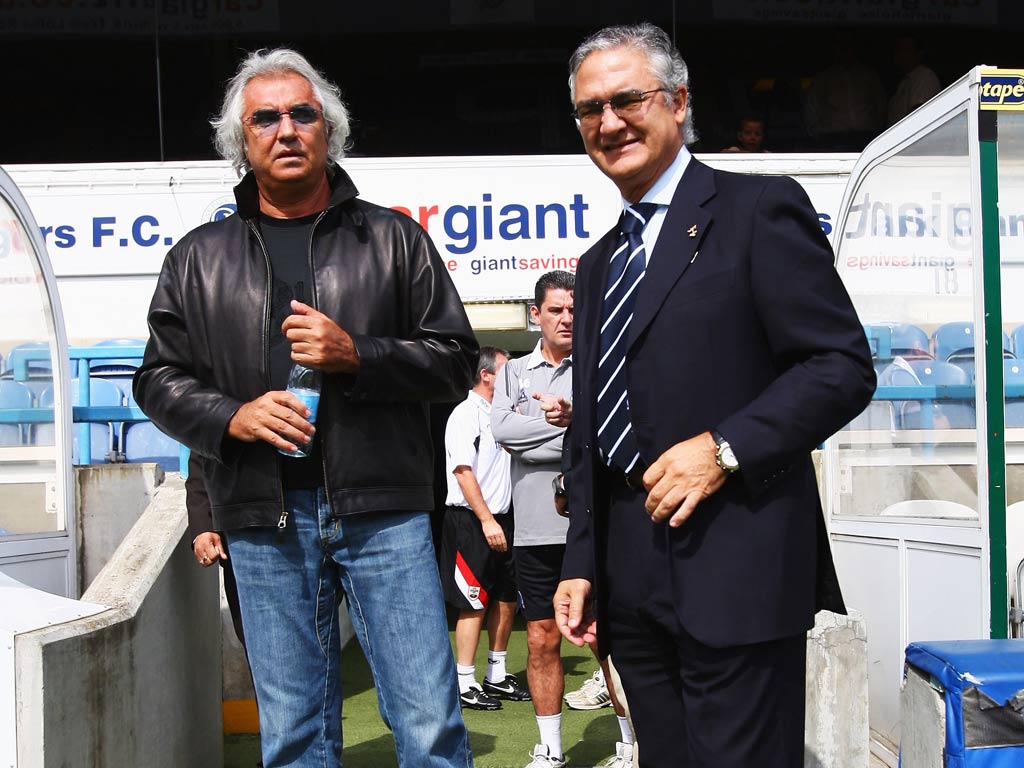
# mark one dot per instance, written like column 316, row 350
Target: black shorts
column 473, row 574
column 538, row 571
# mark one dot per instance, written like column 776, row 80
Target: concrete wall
column 110, row 499
column 923, row 715
column 139, row 684
column 836, row 730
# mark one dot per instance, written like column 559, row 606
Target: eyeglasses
column 264, row 119
column 622, row 104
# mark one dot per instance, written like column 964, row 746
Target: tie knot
column 636, row 217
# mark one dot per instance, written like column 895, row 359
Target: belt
column 634, row 479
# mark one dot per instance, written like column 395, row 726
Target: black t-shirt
column 288, row 244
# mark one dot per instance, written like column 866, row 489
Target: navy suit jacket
column 742, row 325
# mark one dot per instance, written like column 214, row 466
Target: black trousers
column 693, row 706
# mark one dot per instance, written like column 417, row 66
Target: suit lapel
column 592, row 294
column 677, row 244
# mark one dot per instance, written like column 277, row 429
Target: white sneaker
column 541, row 757
column 596, row 680
column 623, row 757
column 593, row 694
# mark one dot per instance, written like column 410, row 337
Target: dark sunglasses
column 622, row 103
column 303, row 114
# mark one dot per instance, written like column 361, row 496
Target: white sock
column 551, row 733
column 627, row 732
column 496, row 666
column 467, row 677
column 600, row 676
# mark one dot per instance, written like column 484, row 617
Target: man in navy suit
column 715, row 348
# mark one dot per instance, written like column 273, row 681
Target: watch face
column 726, row 458
column 729, row 458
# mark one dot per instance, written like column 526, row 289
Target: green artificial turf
column 501, row 739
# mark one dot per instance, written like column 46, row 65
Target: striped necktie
column 625, row 271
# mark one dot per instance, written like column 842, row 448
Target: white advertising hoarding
column 498, row 223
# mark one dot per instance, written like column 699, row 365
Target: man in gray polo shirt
column 518, row 423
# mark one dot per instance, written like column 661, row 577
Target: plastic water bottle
column 304, row 383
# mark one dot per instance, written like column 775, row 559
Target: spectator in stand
column 845, row 107
column 749, row 135
column 918, row 82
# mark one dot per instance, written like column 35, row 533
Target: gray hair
column 229, row 137
column 667, row 66
column 489, row 361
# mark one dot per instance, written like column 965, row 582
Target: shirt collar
column 479, row 401
column 537, row 358
column 664, row 188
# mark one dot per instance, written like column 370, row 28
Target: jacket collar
column 248, row 199
column 686, row 224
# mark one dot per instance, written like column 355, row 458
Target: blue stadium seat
column 873, row 333
column 40, row 372
column 144, row 442
column 889, row 340
column 1013, row 373
column 123, row 381
column 909, row 342
column 1017, row 338
column 954, row 343
column 945, row 414
column 953, row 340
column 42, row 367
column 101, row 436
column 117, row 364
column 14, row 394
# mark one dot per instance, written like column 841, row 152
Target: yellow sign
column 1002, row 89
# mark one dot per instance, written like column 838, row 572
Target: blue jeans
column 290, row 584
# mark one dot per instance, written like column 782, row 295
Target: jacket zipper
column 283, row 520
column 316, row 306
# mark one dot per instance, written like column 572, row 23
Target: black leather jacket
column 378, row 276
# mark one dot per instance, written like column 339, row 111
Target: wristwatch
column 558, row 484
column 724, row 456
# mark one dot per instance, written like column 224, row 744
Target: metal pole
column 159, row 93
column 994, row 395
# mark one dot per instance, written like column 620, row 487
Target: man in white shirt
column 476, row 557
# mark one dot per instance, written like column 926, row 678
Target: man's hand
column 275, row 417
column 208, row 549
column 681, row 478
column 573, row 612
column 557, row 410
column 495, row 535
column 318, row 342
column 562, row 505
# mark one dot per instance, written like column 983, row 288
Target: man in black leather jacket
column 306, row 272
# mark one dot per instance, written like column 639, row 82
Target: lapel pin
column 692, row 231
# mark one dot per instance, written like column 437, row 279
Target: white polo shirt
column 469, row 426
